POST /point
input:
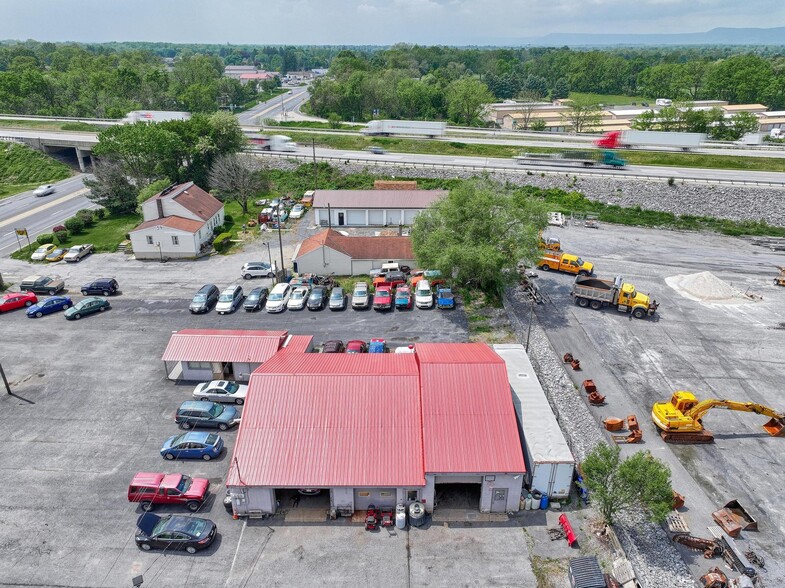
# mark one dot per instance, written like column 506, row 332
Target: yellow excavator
column 679, row 420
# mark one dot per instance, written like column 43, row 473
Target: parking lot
column 92, row 406
column 730, row 350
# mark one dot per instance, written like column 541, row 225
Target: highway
column 40, row 214
column 270, row 109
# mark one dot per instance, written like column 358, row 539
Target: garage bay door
column 377, row 496
column 409, row 216
column 376, row 217
column 355, row 217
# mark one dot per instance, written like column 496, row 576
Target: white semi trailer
column 420, row 128
column 151, row 116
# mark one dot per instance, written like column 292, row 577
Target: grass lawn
column 659, row 158
column 7, row 190
column 313, row 124
column 50, row 125
column 105, row 236
column 609, row 99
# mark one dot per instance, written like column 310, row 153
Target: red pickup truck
column 150, row 489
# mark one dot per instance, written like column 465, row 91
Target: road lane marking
column 46, row 206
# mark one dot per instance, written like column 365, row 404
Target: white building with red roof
column 178, row 223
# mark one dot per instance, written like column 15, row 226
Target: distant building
column 235, row 71
column 178, row 221
column 299, row 76
column 362, row 208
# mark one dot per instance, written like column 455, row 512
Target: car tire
column 101, row 309
column 145, row 546
column 147, row 506
column 207, row 457
column 238, row 401
column 193, row 506
column 270, row 275
column 66, row 306
column 39, row 314
column 186, row 426
column 52, row 292
column 205, row 399
column 169, row 456
column 28, row 303
column 638, row 313
column 77, row 316
column 247, row 276
column 223, row 427
column 583, row 273
column 84, row 292
column 191, row 549
column 106, row 292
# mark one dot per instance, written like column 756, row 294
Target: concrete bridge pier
column 80, row 157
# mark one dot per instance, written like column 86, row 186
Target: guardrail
column 34, row 117
column 514, row 170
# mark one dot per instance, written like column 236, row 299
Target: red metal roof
column 298, row 343
column 192, row 197
column 413, row 199
column 314, row 420
column 469, row 423
column 180, row 223
column 218, row 345
column 359, row 247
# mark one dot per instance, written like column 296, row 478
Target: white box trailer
column 421, row 128
column 685, row 141
column 550, row 465
column 150, row 116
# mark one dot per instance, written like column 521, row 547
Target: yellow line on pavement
column 37, row 209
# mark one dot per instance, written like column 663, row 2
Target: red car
column 150, row 489
column 14, row 300
column 356, row 346
column 383, row 299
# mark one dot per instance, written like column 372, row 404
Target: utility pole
column 315, row 169
column 280, row 244
column 529, row 331
column 5, row 380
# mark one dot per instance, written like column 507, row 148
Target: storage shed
column 330, row 252
column 363, row 208
column 207, row 354
column 550, row 464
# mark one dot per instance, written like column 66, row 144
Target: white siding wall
column 242, row 371
column 186, row 246
column 342, row 497
column 331, row 262
column 514, row 487
column 374, row 217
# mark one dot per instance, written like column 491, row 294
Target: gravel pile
column 705, row 287
column 653, row 556
column 737, row 203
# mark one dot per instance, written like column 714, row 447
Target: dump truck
column 596, row 293
column 630, row 139
column 421, row 128
column 680, row 419
column 564, row 262
column 572, row 158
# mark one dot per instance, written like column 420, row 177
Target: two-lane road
column 40, row 214
column 272, row 108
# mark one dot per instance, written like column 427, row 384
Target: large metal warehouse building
column 380, row 429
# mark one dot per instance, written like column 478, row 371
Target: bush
column 228, row 219
column 222, row 242
column 218, row 230
column 45, row 238
column 100, row 213
column 75, row 225
column 59, row 228
column 62, row 236
column 87, row 217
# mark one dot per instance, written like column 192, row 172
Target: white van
column 276, row 301
column 423, row 295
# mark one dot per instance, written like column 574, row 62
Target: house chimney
column 159, row 203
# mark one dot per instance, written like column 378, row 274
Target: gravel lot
column 716, row 350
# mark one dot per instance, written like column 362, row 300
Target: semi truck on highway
column 596, row 293
column 420, row 128
column 572, row 158
column 273, row 142
column 629, row 139
column 154, row 116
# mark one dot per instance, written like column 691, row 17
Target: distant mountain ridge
column 718, row 36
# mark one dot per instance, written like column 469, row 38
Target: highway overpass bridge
column 56, row 141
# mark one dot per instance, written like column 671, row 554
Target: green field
column 608, row 99
column 22, row 168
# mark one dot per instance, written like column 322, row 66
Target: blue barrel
column 544, row 502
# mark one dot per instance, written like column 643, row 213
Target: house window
column 199, row 365
column 364, row 494
column 149, row 239
column 175, row 240
column 411, row 495
column 385, row 494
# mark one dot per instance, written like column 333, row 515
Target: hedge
column 62, row 236
column 222, row 242
column 74, row 224
column 45, row 238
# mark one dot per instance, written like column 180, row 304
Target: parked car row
column 51, row 252
column 39, row 308
column 53, row 284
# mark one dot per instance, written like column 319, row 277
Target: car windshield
column 216, row 410
column 41, row 250
column 177, row 440
column 275, row 296
column 316, row 294
column 297, row 295
column 232, row 387
column 226, row 297
column 185, row 483
column 80, row 305
column 75, row 249
column 189, row 525
column 336, row 295
column 579, row 261
column 200, row 297
column 253, row 296
column 212, row 439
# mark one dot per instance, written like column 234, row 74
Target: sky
column 368, row 22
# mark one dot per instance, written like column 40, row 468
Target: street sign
column 21, row 232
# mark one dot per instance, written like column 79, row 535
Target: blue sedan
column 49, row 305
column 193, row 445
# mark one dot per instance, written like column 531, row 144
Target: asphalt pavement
column 271, row 108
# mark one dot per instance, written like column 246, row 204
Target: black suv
column 204, row 299
column 102, row 286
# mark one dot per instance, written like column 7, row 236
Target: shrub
column 59, row 228
column 45, row 238
column 222, row 242
column 100, row 213
column 87, row 217
column 671, row 181
column 218, row 230
column 74, row 224
column 62, row 236
column 228, row 219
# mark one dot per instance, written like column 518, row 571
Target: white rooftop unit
column 549, row 462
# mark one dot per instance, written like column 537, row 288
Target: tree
column 561, row 89
column 334, row 120
column 478, row 234
column 527, row 109
column 582, row 117
column 639, row 482
column 238, row 177
column 465, row 100
column 111, row 188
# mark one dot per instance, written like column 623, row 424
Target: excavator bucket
column 775, row 427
